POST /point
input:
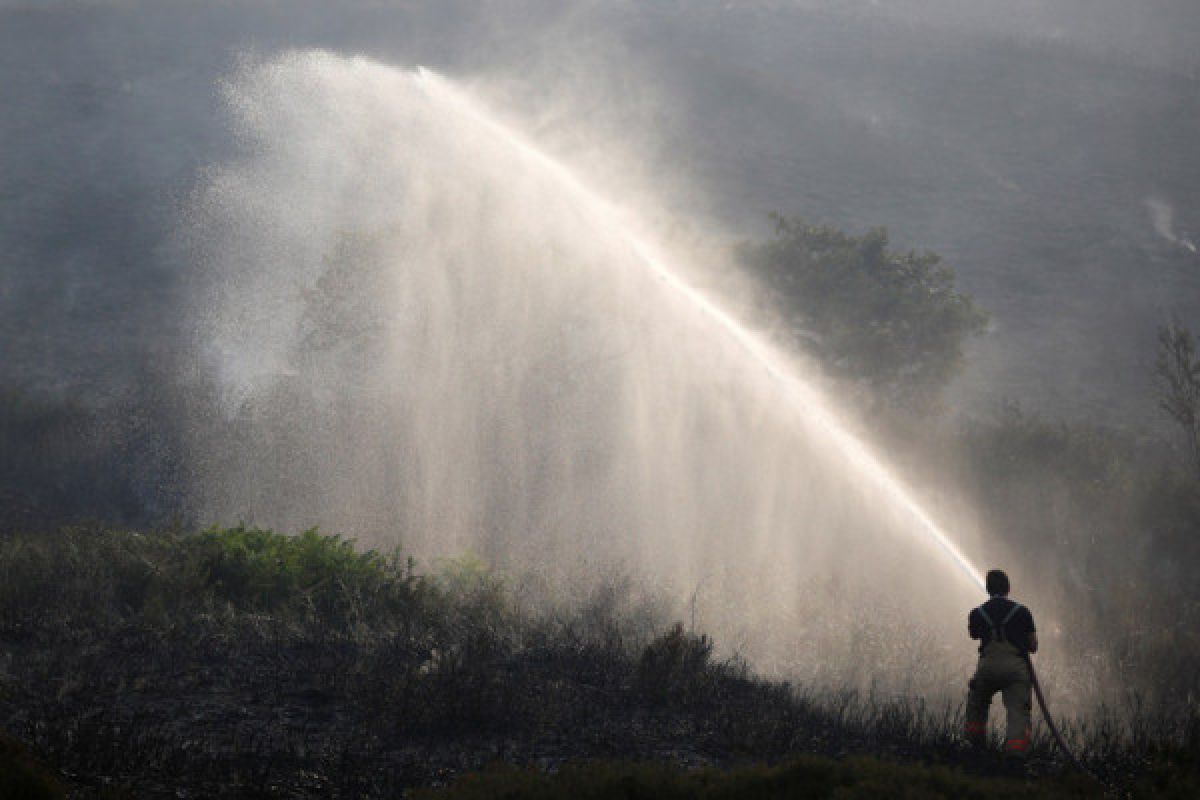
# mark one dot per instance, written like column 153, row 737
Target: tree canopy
column 892, row 325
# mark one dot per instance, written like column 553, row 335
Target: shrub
column 674, row 667
column 90, row 579
column 311, row 575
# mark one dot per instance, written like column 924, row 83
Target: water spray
column 797, row 392
column 250, row 308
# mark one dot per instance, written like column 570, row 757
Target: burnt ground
column 246, row 664
column 287, row 717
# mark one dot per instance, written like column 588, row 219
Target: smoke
column 853, row 114
column 1159, row 32
column 1162, row 217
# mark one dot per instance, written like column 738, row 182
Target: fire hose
column 1058, row 738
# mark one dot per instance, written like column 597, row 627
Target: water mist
column 424, row 331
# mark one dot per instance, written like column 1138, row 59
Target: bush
column 261, row 570
column 674, row 667
column 84, row 579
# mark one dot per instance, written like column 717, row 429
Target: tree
column 890, row 324
column 1178, row 371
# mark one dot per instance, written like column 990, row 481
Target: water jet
column 427, row 330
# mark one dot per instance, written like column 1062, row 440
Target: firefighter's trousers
column 1002, row 669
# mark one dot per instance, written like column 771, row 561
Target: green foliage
column 263, row 570
column 891, row 324
column 810, row 777
column 90, row 578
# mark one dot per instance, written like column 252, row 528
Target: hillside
column 245, row 663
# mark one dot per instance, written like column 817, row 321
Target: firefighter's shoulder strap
column 998, row 630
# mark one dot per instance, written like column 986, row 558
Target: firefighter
column 1006, row 636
